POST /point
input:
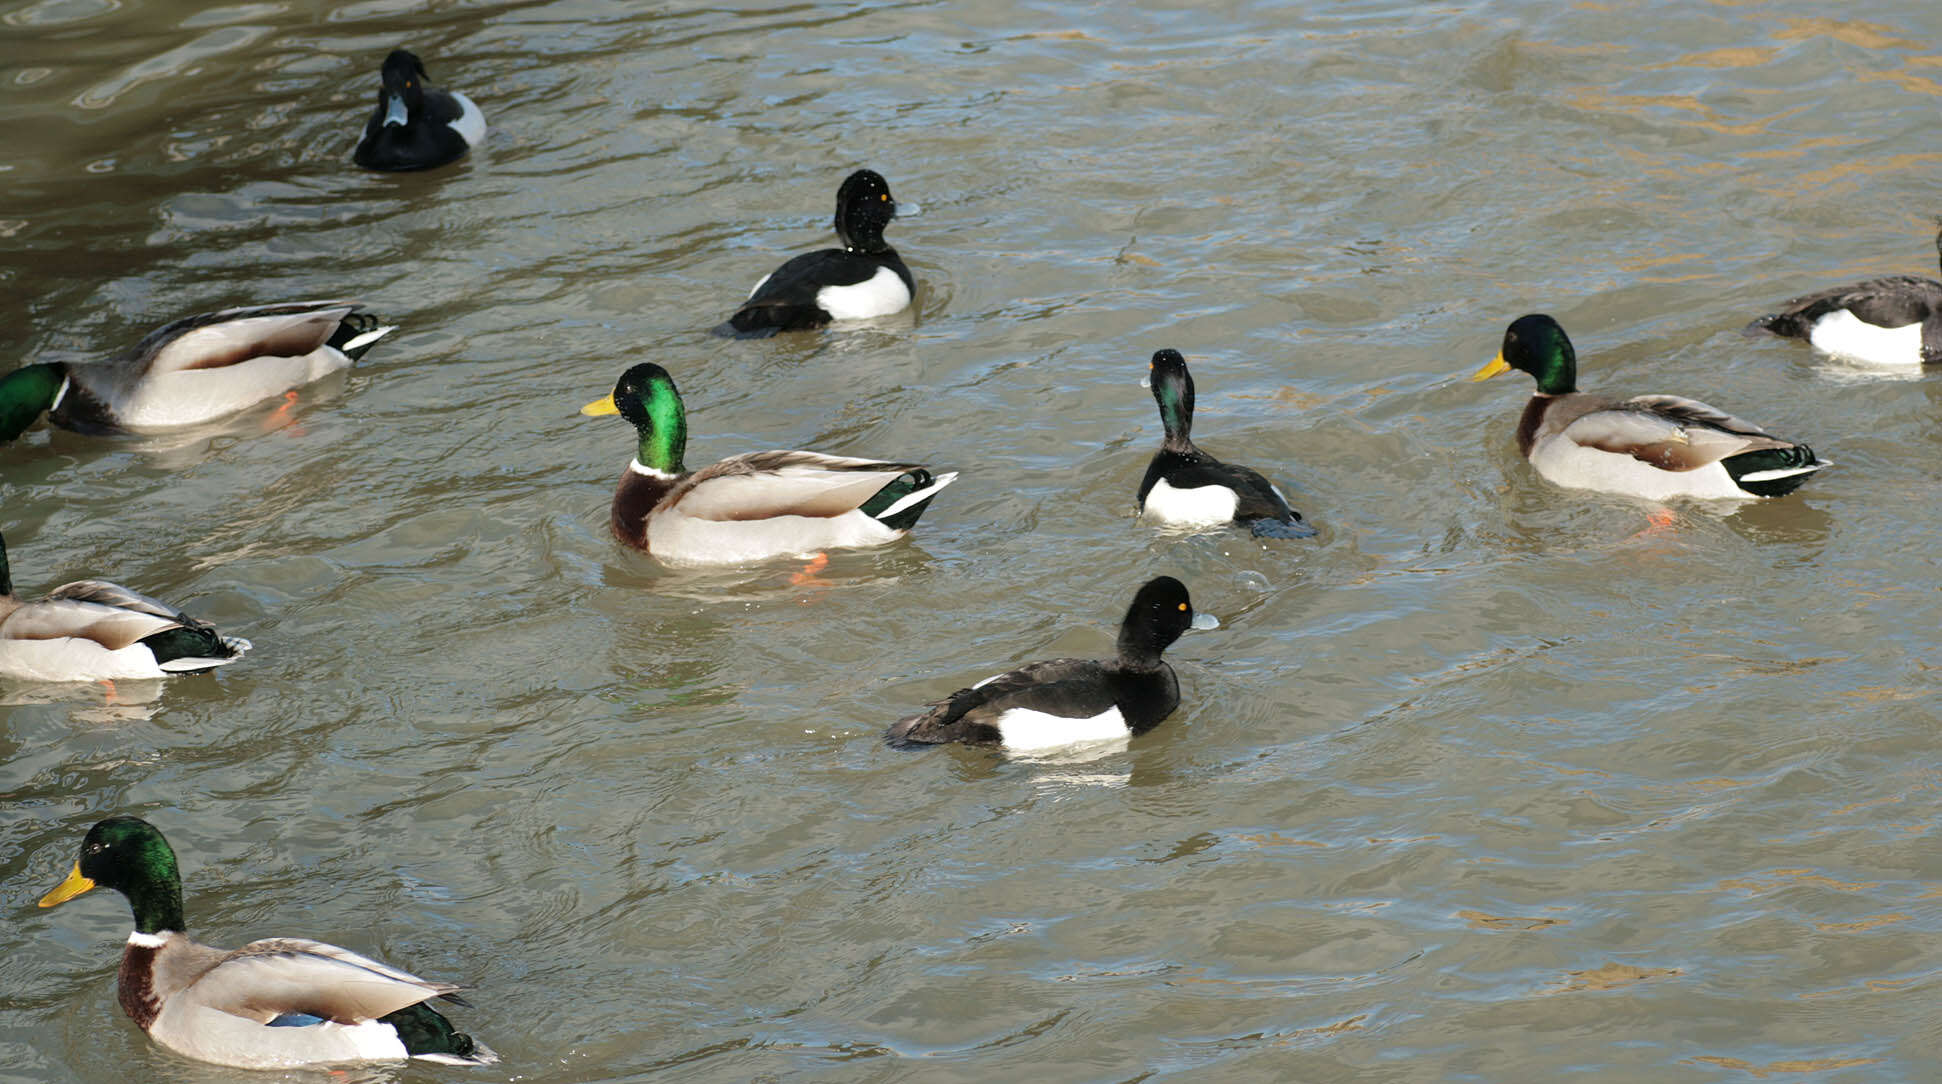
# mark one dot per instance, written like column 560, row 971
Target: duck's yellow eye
column 1183, row 607
column 883, row 197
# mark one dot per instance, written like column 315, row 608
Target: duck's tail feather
column 358, row 333
column 1773, row 472
column 899, row 504
column 428, row 1035
column 1292, row 527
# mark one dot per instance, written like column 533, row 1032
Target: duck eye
column 883, row 197
column 1183, row 607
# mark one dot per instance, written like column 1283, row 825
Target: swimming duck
column 748, row 507
column 1652, row 446
column 1890, row 322
column 1188, row 487
column 91, row 631
column 272, row 1004
column 862, row 279
column 193, row 370
column 1061, row 702
column 416, row 125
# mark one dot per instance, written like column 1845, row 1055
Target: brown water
column 1493, row 781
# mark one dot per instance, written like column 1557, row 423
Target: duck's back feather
column 789, row 299
column 1081, row 690
column 761, row 485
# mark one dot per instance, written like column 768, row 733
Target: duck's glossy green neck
column 1538, row 346
column 663, row 428
column 26, row 394
column 1175, row 394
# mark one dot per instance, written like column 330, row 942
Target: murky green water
column 1491, row 782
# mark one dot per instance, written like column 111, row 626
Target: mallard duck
column 1652, row 446
column 1188, row 487
column 1061, row 702
column 91, row 631
column 272, row 1004
column 862, row 279
column 748, row 507
column 191, row 371
column 1890, row 322
column 416, row 125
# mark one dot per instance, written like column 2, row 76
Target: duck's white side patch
column 1565, row 463
column 1851, row 338
column 1199, row 506
column 879, row 295
column 1026, row 730
column 470, row 125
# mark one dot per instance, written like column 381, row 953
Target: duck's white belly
column 193, row 396
column 1851, row 338
column 879, row 295
column 75, row 658
column 1201, row 506
column 1564, row 463
column 223, row 1038
column 686, row 540
column 1027, row 731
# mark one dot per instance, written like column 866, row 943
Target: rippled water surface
column 1492, row 781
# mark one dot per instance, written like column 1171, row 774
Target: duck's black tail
column 899, row 504
column 1772, row 472
column 428, row 1035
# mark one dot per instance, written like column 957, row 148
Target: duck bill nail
column 1203, row 622
column 1495, row 366
column 68, row 889
column 395, row 113
column 600, row 408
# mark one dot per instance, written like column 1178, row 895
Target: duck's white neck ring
column 638, row 467
column 146, row 940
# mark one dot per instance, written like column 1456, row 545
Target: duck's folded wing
column 1669, row 432
column 1055, row 686
column 112, row 626
column 266, row 979
column 1894, row 301
column 762, row 485
column 213, row 340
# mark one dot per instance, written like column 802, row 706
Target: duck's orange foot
column 808, row 577
column 284, row 414
column 109, row 684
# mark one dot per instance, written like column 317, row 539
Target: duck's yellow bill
column 602, row 406
column 68, row 889
column 1497, row 365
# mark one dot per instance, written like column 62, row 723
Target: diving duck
column 1185, row 486
column 748, row 507
column 416, row 125
column 1892, row 322
column 272, row 1004
column 862, row 279
column 1060, row 702
column 1652, row 446
column 194, row 370
column 94, row 631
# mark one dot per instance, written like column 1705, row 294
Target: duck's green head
column 645, row 395
column 1173, row 389
column 864, row 206
column 1537, row 345
column 128, row 855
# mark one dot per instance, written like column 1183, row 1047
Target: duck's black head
column 1159, row 614
column 403, row 94
column 646, row 396
column 1538, row 346
column 864, row 206
column 130, row 856
column 1173, row 389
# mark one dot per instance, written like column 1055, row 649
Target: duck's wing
column 1893, row 301
column 1066, row 687
column 763, row 485
column 1669, row 432
column 214, row 340
column 267, row 979
column 787, row 300
column 110, row 615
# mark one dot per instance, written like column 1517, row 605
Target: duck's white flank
column 1026, row 730
column 1196, row 507
column 1847, row 336
column 470, row 125
column 879, row 295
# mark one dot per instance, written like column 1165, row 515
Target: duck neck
column 1137, row 648
column 157, row 904
column 27, row 393
column 1176, row 400
column 664, row 434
